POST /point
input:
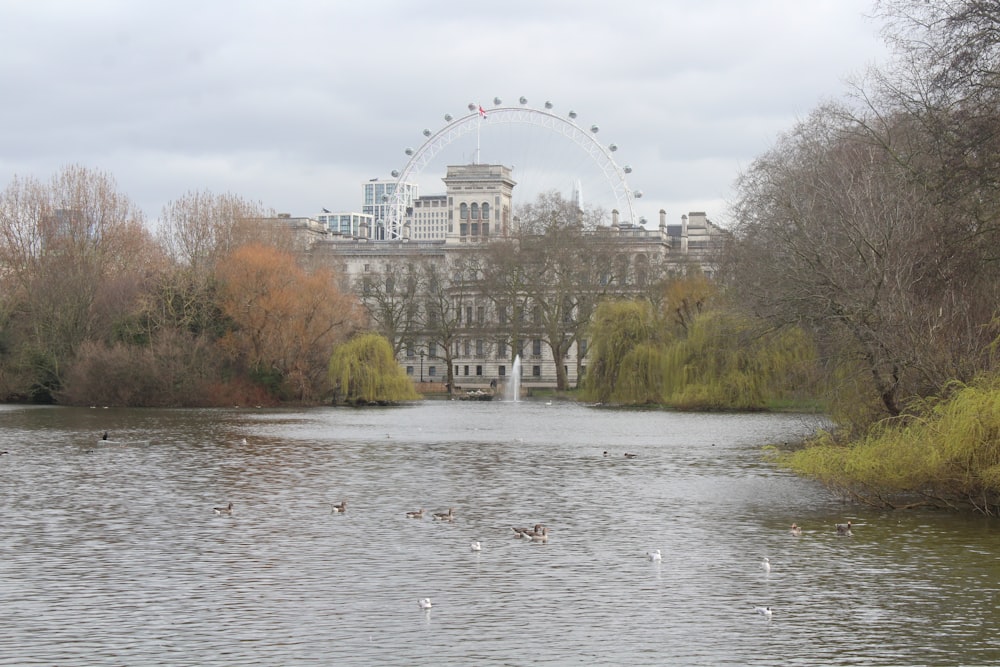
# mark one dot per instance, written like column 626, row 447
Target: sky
column 295, row 104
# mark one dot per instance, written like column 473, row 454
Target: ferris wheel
column 498, row 124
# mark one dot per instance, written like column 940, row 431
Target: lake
column 112, row 553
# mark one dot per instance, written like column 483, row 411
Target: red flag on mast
column 482, row 111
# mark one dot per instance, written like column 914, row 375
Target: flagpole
column 478, row 126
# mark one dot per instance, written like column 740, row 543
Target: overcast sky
column 295, row 103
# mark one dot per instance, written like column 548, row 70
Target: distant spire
column 578, row 195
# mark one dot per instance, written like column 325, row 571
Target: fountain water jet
column 512, row 392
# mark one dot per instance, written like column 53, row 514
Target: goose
column 764, row 611
column 630, row 456
column 540, row 535
column 795, row 530
column 224, row 510
column 844, row 528
column 424, row 603
column 419, row 514
column 765, row 565
column 339, row 509
column 445, row 516
column 526, row 532
column 476, row 546
column 654, row 555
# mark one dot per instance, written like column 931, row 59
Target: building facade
column 483, row 336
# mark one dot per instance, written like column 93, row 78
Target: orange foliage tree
column 285, row 321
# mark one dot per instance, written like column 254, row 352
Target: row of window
column 477, row 371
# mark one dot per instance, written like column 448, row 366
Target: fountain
column 512, row 392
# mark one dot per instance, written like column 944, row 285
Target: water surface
column 111, row 553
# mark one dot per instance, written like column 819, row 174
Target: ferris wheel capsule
column 472, row 106
column 408, row 151
column 395, row 173
column 572, row 114
column 427, row 132
column 613, row 147
column 497, row 101
column 637, row 194
column 594, row 129
column 548, row 105
column 523, row 100
column 627, row 169
column 448, row 118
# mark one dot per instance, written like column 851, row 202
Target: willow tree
column 625, row 354
column 364, row 371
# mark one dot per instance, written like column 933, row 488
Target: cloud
column 296, row 104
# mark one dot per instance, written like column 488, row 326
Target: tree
column 364, row 371
column 446, row 292
column 625, row 354
column 75, row 254
column 390, row 296
column 830, row 234
column 285, row 320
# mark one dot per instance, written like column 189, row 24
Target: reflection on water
column 112, row 554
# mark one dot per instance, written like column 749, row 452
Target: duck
column 654, row 555
column 419, row 514
column 795, row 530
column 104, row 436
column 764, row 611
column 445, row 516
column 844, row 528
column 476, row 546
column 424, row 603
column 765, row 565
column 339, row 509
column 243, row 442
column 630, row 456
column 228, row 509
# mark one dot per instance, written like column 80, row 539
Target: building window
column 502, row 314
column 468, row 314
column 486, row 211
column 480, row 314
column 409, row 370
column 583, row 347
column 480, row 348
column 501, row 349
column 479, row 371
column 536, row 371
column 536, row 314
column 502, row 371
column 409, row 350
column 475, row 211
column 466, row 369
column 432, row 371
column 463, row 211
column 536, row 346
column 432, row 349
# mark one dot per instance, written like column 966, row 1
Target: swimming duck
column 224, row 510
column 630, row 456
column 654, row 555
column 764, row 611
column 445, row 516
column 424, row 603
column 476, row 546
column 339, row 509
column 765, row 565
column 104, row 436
column 844, row 528
column 419, row 514
column 540, row 535
column 795, row 530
